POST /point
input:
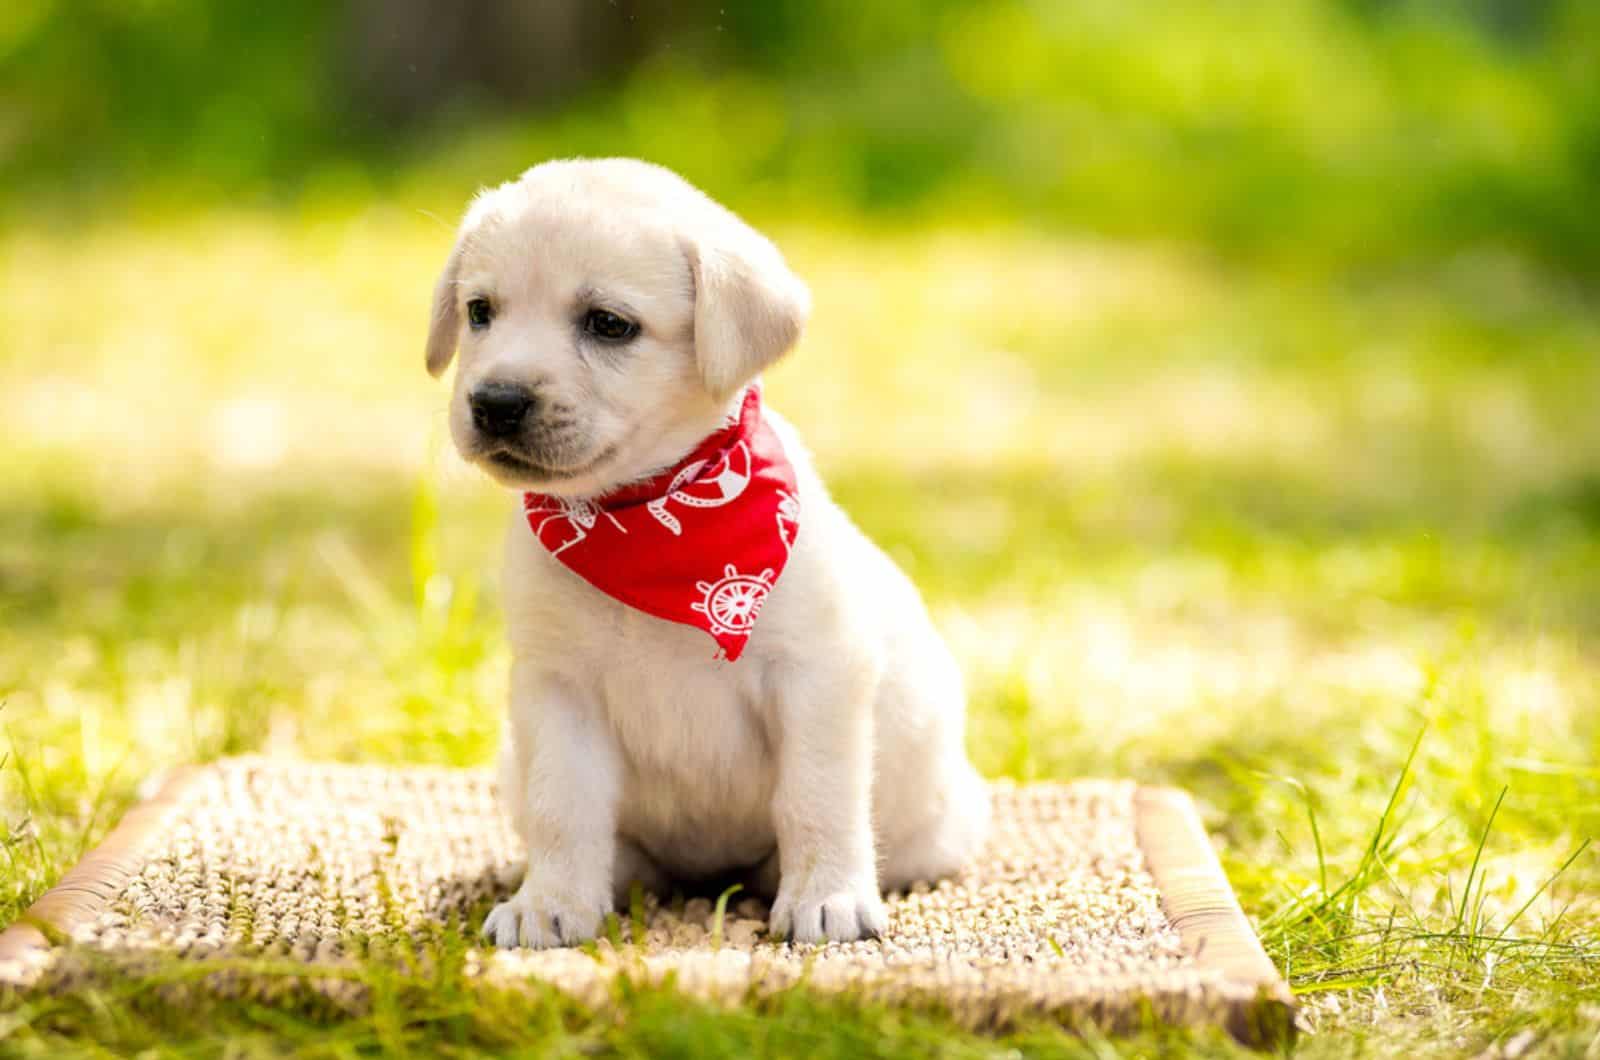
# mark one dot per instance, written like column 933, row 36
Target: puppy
column 714, row 671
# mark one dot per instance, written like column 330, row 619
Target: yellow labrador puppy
column 714, row 670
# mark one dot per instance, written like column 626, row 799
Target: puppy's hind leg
column 932, row 808
column 945, row 839
column 635, row 868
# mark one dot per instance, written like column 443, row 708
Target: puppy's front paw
column 526, row 919
column 838, row 916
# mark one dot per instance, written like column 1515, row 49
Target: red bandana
column 701, row 543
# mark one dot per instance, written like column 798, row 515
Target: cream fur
column 828, row 762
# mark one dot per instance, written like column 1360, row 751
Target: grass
column 1323, row 548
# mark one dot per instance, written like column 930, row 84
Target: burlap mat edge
column 90, row 885
column 1200, row 903
column 1195, row 894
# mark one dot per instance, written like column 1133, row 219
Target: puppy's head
column 606, row 312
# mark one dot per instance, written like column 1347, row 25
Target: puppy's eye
column 479, row 313
column 604, row 324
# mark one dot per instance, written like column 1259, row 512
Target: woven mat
column 1094, row 901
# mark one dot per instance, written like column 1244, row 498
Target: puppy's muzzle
column 500, row 409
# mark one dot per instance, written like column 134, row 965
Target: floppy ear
column 749, row 309
column 444, row 325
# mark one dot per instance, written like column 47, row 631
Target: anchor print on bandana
column 731, row 505
column 579, row 517
column 696, row 487
column 788, row 518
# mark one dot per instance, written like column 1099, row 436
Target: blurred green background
column 1345, row 129
column 1225, row 373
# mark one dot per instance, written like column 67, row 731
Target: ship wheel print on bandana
column 732, row 505
column 732, row 602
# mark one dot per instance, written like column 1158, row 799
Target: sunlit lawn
column 1254, row 533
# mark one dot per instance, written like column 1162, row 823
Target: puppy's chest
column 675, row 709
column 671, row 703
column 698, row 770
column 693, row 733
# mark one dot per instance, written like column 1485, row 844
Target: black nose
column 498, row 409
